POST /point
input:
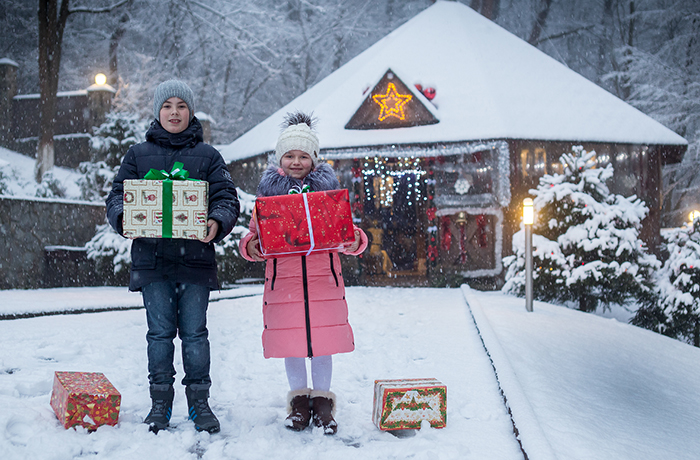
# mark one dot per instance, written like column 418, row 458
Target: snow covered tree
column 112, row 139
column 232, row 266
column 587, row 249
column 676, row 313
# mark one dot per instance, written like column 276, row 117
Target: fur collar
column 275, row 182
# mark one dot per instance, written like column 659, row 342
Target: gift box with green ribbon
column 166, row 205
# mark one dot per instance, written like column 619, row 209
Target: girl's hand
column 253, row 248
column 355, row 244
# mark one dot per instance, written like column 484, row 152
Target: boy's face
column 296, row 164
column 174, row 115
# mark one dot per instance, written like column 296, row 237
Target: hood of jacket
column 275, row 182
column 190, row 136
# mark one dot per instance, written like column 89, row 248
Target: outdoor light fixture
column 693, row 215
column 528, row 212
column 528, row 220
column 100, row 79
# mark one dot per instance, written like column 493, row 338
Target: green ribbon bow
column 303, row 189
column 177, row 173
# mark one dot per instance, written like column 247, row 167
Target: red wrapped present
column 401, row 404
column 87, row 399
column 303, row 223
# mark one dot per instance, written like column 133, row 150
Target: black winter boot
column 199, row 410
column 162, row 407
column 323, row 407
column 298, row 409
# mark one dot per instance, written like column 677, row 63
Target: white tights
column 321, row 372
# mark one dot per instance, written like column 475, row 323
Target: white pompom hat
column 298, row 135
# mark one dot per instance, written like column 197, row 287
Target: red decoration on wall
column 446, row 233
column 419, row 87
column 429, row 93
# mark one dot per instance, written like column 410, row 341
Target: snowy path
column 585, row 387
column 400, row 333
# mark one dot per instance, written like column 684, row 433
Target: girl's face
column 174, row 115
column 296, row 164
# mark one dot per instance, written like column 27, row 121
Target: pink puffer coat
column 304, row 308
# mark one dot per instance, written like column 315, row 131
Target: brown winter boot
column 323, row 407
column 299, row 410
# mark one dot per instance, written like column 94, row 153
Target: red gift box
column 87, row 399
column 303, row 223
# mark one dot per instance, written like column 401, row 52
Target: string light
column 382, row 175
column 392, row 103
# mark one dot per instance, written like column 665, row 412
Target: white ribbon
column 308, row 221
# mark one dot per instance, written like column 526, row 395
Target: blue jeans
column 177, row 309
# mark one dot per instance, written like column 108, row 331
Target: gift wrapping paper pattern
column 143, row 209
column 283, row 222
column 401, row 404
column 86, row 399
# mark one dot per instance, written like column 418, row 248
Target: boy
column 176, row 275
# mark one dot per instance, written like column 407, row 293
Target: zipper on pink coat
column 306, row 307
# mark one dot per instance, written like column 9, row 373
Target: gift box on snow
column 87, row 399
column 401, row 404
column 302, row 223
column 165, row 205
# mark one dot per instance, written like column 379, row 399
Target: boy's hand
column 212, row 230
column 253, row 249
column 355, row 244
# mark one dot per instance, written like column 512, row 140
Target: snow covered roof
column 489, row 84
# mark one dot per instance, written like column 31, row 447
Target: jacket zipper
column 274, row 274
column 305, row 281
column 333, row 269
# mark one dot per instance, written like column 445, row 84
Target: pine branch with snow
column 676, row 311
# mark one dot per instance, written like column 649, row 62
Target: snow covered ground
column 579, row 386
column 20, row 169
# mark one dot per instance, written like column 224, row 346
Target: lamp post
column 100, row 79
column 693, row 215
column 528, row 220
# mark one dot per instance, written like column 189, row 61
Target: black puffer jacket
column 179, row 260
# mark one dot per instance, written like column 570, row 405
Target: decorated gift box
column 402, row 404
column 166, row 205
column 87, row 399
column 302, row 223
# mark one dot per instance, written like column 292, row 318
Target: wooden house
column 440, row 129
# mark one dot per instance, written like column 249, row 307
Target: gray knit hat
column 298, row 135
column 172, row 88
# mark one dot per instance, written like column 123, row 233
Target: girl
column 304, row 308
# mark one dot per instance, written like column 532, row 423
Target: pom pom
column 296, row 118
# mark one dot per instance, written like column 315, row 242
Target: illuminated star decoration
column 392, row 103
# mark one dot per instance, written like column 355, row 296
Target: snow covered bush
column 675, row 312
column 50, row 186
column 586, row 246
column 108, row 247
column 5, row 174
column 112, row 139
column 96, row 180
column 109, row 144
column 232, row 266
